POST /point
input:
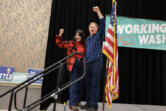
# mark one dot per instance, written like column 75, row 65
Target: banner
column 140, row 33
column 6, row 73
column 31, row 72
column 19, row 77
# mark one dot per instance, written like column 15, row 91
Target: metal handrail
column 26, row 83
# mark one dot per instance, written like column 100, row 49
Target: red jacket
column 71, row 46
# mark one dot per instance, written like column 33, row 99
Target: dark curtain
column 142, row 72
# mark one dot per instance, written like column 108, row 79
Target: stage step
column 116, row 107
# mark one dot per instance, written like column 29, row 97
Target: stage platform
column 35, row 94
column 116, row 107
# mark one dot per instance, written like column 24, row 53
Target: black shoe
column 85, row 106
column 91, row 109
column 79, row 105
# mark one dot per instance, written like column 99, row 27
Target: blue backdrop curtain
column 142, row 72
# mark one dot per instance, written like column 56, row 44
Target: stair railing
column 36, row 77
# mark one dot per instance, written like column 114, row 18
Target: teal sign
column 19, row 77
column 140, row 33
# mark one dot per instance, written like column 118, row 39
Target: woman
column 74, row 64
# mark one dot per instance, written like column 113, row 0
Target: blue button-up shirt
column 94, row 43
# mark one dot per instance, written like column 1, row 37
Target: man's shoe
column 85, row 106
column 91, row 109
column 74, row 108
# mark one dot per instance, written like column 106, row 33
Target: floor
column 33, row 95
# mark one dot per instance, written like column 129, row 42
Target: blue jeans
column 75, row 89
column 93, row 77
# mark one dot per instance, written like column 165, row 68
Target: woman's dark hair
column 81, row 34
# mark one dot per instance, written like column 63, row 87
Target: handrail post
column 65, row 103
column 57, row 86
column 25, row 97
column 54, row 107
column 11, row 101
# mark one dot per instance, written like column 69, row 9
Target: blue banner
column 6, row 73
column 31, row 72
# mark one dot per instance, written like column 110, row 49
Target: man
column 94, row 61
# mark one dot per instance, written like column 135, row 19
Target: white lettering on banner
column 142, row 29
column 136, row 28
column 150, row 28
column 32, row 72
column 151, row 39
column 129, row 29
column 20, row 76
column 163, row 28
column 158, row 39
column 163, row 39
column 3, row 76
column 120, row 28
column 143, row 39
column 155, row 28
